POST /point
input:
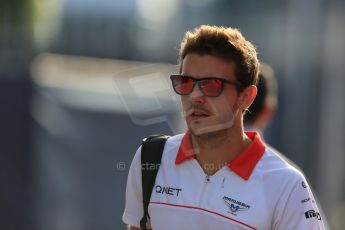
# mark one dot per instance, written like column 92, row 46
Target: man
column 216, row 176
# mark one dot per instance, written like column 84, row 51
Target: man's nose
column 196, row 95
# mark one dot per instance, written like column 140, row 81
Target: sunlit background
column 83, row 81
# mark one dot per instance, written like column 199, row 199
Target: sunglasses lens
column 211, row 87
column 182, row 84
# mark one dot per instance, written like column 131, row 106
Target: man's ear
column 247, row 97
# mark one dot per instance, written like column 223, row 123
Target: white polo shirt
column 256, row 190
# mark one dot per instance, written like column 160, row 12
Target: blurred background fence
column 80, row 88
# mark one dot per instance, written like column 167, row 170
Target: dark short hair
column 227, row 43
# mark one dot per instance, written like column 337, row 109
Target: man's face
column 210, row 114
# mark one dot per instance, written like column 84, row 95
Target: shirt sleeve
column 133, row 203
column 299, row 210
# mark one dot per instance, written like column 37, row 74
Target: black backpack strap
column 151, row 155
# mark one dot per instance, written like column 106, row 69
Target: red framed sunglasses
column 209, row 86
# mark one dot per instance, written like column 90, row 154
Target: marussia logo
column 235, row 205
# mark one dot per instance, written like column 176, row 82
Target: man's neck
column 215, row 150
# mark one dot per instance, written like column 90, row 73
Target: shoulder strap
column 151, row 155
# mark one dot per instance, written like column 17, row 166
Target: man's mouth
column 198, row 114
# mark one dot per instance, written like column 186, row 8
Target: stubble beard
column 220, row 128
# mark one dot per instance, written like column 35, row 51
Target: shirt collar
column 243, row 164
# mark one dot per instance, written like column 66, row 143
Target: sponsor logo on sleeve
column 305, row 200
column 312, row 214
column 304, row 185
